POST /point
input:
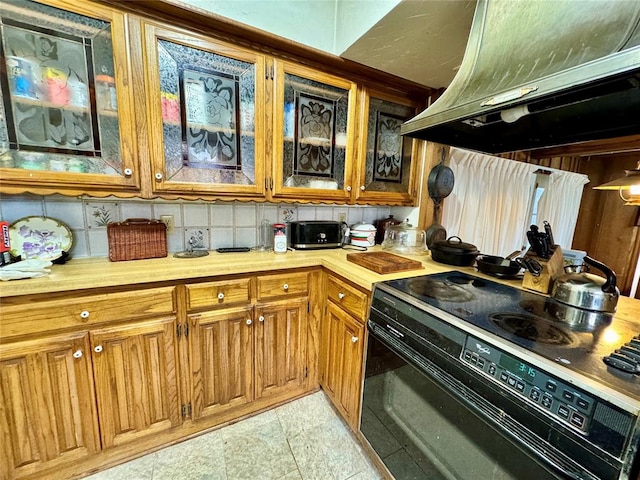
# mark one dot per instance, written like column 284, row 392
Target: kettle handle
column 610, row 285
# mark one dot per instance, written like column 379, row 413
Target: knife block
column 552, row 268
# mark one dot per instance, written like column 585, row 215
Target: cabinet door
column 68, row 124
column 136, row 381
column 313, row 143
column 221, row 353
column 280, row 347
column 388, row 162
column 47, row 412
column 342, row 351
column 206, row 105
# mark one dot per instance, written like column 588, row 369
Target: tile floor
column 302, row 440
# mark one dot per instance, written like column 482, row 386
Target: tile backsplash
column 207, row 225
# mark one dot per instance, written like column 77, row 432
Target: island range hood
column 541, row 73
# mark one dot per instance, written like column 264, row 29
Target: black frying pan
column 493, row 265
column 441, row 180
column 439, row 184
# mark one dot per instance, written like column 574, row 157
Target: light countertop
column 84, row 273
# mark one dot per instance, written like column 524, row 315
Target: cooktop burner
column 531, row 328
column 576, row 338
column 444, row 290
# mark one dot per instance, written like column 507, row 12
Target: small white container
column 279, row 238
column 363, row 235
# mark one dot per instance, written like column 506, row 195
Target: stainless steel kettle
column 584, row 290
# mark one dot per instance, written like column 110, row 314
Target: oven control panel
column 560, row 399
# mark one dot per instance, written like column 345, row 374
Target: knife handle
column 547, row 229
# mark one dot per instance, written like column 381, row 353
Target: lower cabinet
column 343, row 338
column 221, row 353
column 342, row 347
column 248, row 352
column 136, row 380
column 110, row 379
column 47, row 413
column 135, row 369
column 281, row 347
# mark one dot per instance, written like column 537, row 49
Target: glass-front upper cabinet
column 388, row 161
column 66, row 124
column 313, row 147
column 206, row 106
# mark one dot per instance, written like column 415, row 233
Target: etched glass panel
column 388, row 159
column 208, row 105
column 315, row 132
column 59, row 109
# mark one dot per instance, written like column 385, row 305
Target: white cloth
column 31, row 268
column 490, row 202
column 560, row 205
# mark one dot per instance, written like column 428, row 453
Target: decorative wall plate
column 43, row 238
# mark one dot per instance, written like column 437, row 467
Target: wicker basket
column 136, row 239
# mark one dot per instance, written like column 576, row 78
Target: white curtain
column 560, row 204
column 490, row 205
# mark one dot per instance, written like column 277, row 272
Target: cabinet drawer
column 285, row 284
column 218, row 294
column 347, row 297
column 28, row 315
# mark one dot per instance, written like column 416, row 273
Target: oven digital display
column 516, row 366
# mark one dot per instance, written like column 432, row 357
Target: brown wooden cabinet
column 108, row 379
column 136, row 380
column 95, row 376
column 221, row 353
column 159, row 110
column 314, row 116
column 388, row 164
column 280, row 347
column 205, row 104
column 69, row 123
column 342, row 347
column 48, row 415
column 246, row 346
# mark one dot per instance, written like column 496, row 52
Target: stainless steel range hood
column 541, row 73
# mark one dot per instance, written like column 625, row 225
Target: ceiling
column 420, row 40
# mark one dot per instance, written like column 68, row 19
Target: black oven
column 445, row 402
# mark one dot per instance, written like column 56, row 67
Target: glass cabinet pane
column 388, row 154
column 208, row 116
column 59, row 110
column 315, row 133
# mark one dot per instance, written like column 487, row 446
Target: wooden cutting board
column 383, row 262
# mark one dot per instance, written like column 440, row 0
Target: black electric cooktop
column 575, row 338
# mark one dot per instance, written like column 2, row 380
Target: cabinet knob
column 341, row 295
column 354, row 339
column 221, row 296
column 97, row 348
column 348, row 188
column 158, row 176
column 128, row 172
column 249, row 322
column 84, row 314
column 285, row 286
column 261, row 318
column 362, row 187
column 77, row 354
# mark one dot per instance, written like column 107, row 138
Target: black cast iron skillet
column 500, row 266
column 494, row 265
column 439, row 184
